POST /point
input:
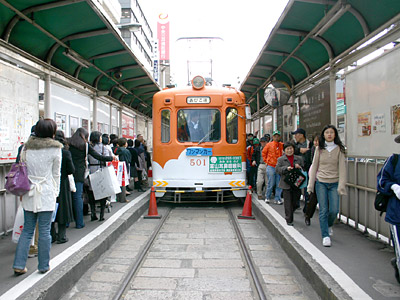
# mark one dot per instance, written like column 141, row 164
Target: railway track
column 250, row 266
column 194, row 253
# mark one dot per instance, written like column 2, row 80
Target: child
column 291, row 195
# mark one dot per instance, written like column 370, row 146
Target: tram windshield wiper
column 206, row 136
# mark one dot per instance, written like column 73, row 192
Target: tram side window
column 165, row 125
column 232, row 125
column 199, row 125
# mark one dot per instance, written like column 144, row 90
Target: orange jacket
column 271, row 152
column 249, row 152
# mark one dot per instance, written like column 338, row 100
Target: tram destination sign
column 198, row 100
column 221, row 164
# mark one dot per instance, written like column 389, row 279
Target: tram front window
column 199, row 125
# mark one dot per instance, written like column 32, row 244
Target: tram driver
column 196, row 132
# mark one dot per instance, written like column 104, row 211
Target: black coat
column 79, row 160
column 134, row 161
column 64, row 199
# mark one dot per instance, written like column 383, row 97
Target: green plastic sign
column 221, row 164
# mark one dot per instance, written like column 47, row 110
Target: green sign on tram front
column 220, row 164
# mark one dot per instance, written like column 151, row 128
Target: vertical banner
column 163, row 36
column 128, row 127
column 155, row 70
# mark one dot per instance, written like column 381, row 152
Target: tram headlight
column 198, row 82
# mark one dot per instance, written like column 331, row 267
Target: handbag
column 17, row 181
column 295, row 178
column 71, row 183
column 382, row 200
column 304, row 184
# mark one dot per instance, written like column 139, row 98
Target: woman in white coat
column 42, row 155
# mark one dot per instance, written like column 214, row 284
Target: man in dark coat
column 195, row 130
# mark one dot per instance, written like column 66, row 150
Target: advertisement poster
column 61, row 121
column 379, row 123
column 73, row 124
column 85, row 124
column 127, row 127
column 364, row 124
column 395, row 114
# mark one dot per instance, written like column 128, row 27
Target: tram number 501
column 198, row 162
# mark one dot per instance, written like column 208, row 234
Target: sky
column 241, row 28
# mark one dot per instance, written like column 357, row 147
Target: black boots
column 102, row 212
column 93, row 216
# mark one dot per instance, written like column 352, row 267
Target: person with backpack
column 388, row 183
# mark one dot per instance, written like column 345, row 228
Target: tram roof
column 314, row 37
column 75, row 37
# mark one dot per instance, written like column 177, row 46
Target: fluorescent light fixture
column 75, row 57
column 143, row 104
column 132, row 27
column 102, row 93
column 332, row 20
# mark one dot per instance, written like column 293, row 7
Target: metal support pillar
column 120, row 121
column 47, row 96
column 94, row 113
column 259, row 118
column 332, row 89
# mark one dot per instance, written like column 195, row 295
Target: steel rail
column 134, row 269
column 248, row 257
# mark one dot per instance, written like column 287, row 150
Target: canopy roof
column 314, row 37
column 76, row 38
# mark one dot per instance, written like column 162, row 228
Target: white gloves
column 396, row 189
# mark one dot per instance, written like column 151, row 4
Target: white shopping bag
column 53, row 216
column 121, row 171
column 104, row 183
column 18, row 224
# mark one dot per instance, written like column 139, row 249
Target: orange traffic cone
column 246, row 213
column 152, row 213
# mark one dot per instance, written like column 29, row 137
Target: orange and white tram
column 199, row 141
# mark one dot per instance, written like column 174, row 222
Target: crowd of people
column 321, row 163
column 56, row 164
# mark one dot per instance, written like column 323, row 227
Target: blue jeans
column 44, row 243
column 328, row 199
column 273, row 179
column 77, row 205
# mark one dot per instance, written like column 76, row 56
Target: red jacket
column 271, row 152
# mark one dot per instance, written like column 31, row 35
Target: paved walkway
column 7, row 248
column 364, row 259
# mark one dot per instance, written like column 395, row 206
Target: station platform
column 358, row 263
column 355, row 267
